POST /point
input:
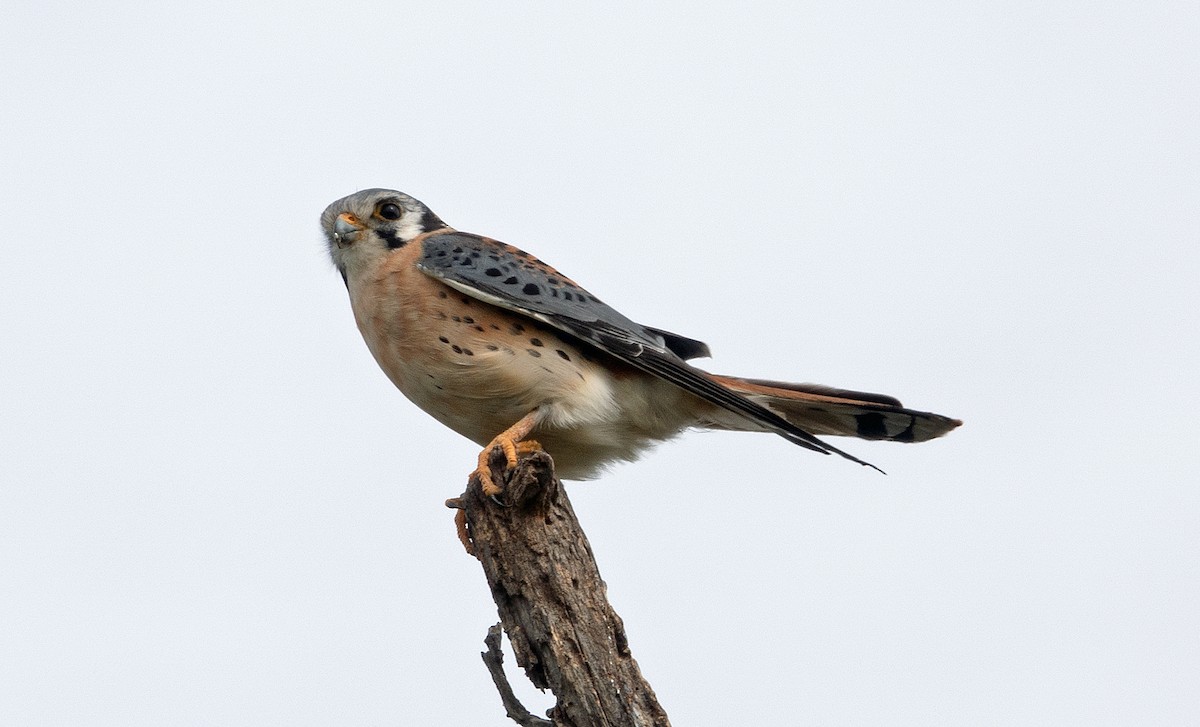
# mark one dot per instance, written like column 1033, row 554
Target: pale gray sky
column 215, row 510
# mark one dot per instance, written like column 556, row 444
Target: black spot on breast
column 493, row 347
column 536, row 341
column 518, row 328
column 494, row 327
column 562, row 354
column 456, row 319
column 478, row 328
column 443, row 339
column 466, row 300
column 531, row 289
column 534, row 352
column 468, row 319
column 441, row 294
column 468, row 351
column 456, row 349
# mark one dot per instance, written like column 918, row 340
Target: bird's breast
column 475, row 367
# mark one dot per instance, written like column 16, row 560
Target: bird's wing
column 512, row 279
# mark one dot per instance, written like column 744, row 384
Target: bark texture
column 552, row 602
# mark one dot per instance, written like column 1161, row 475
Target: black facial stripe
column 390, row 237
column 430, row 221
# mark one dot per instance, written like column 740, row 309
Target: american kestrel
column 501, row 347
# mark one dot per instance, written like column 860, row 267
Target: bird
column 508, row 352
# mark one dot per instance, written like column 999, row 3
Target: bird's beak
column 346, row 228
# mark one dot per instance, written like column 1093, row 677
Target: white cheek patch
column 410, row 225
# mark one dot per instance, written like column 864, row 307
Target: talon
column 460, row 524
column 510, row 442
column 484, row 470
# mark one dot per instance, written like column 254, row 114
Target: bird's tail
column 826, row 410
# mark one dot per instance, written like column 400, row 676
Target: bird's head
column 369, row 224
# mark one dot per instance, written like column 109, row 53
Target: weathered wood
column 552, row 602
column 494, row 659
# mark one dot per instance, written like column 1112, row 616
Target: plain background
column 215, row 510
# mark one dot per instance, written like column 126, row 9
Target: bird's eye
column 390, row 211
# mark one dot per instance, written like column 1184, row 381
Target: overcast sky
column 216, row 510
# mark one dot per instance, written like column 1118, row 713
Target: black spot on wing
column 515, row 280
column 584, row 317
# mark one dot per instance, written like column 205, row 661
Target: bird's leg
column 510, row 441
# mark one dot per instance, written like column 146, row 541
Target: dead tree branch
column 552, row 602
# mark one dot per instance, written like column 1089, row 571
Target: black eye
column 390, row 211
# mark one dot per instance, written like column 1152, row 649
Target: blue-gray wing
column 509, row 278
column 515, row 280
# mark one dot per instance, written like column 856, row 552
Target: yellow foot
column 529, row 446
column 460, row 523
column 510, row 441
